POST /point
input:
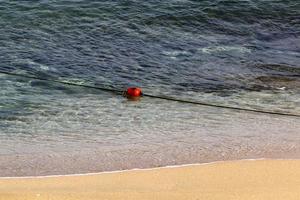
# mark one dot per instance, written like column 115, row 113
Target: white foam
column 213, row 49
column 139, row 169
column 175, row 53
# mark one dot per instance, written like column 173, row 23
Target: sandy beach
column 248, row 179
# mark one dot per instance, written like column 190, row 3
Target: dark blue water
column 197, row 46
column 238, row 53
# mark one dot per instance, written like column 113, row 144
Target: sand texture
column 243, row 180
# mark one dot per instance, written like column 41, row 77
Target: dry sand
column 243, row 180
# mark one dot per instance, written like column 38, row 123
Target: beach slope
column 260, row 179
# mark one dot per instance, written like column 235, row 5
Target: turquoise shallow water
column 236, row 53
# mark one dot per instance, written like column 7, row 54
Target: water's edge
column 141, row 169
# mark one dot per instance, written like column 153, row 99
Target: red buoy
column 133, row 92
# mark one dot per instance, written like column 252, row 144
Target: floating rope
column 153, row 96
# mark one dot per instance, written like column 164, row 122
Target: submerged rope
column 153, row 96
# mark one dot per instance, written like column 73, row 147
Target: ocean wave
column 215, row 49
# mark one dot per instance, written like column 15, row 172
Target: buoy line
column 152, row 96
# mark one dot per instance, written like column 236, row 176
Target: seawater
column 236, row 53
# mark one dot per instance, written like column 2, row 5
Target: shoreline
column 242, row 179
column 142, row 169
column 57, row 164
column 135, row 169
column 147, row 169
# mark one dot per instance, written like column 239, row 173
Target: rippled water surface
column 237, row 53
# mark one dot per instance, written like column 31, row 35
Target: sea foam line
column 138, row 169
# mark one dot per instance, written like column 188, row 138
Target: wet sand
column 248, row 179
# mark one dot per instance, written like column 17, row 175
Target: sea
column 236, row 53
